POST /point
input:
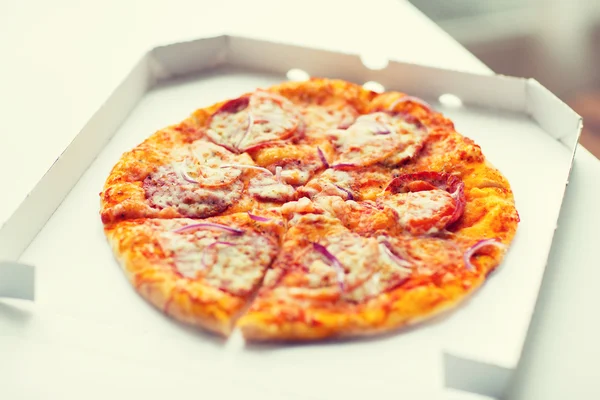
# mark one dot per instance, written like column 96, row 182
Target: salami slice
column 252, row 121
column 425, row 202
column 168, row 188
column 231, row 260
column 378, row 137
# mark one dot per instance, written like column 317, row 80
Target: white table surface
column 61, row 59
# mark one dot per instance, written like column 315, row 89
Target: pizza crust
column 391, row 311
column 150, row 268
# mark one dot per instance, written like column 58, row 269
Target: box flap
column 180, row 59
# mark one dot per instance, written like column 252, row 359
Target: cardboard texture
column 522, row 128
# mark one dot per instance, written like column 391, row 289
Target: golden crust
column 149, row 271
column 388, row 312
column 489, row 213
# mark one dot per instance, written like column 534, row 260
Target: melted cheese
column 324, row 118
column 236, row 268
column 166, row 188
column 376, row 137
column 332, row 182
column 420, row 206
column 267, row 118
column 367, row 271
column 268, row 188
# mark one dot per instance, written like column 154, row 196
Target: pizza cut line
column 307, row 211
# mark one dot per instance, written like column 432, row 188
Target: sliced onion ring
column 244, row 166
column 187, row 177
column 209, row 225
column 183, row 174
column 278, row 173
column 247, row 131
column 342, row 165
column 379, row 128
column 478, row 246
column 211, row 246
column 322, row 157
column 348, row 192
column 258, row 218
column 401, row 262
column 335, row 263
column 413, row 99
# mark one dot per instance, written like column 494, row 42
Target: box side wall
column 475, row 377
column 502, row 92
column 22, row 227
column 553, row 115
column 187, row 58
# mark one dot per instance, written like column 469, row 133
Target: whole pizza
column 306, row 211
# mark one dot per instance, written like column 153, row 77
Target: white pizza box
column 523, row 129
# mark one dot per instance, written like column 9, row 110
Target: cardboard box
column 523, row 129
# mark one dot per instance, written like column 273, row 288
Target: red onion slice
column 247, row 131
column 335, row 263
column 278, row 173
column 183, row 174
column 209, row 225
column 209, row 247
column 401, row 262
column 413, row 99
column 243, row 166
column 458, row 194
column 235, row 105
column 322, row 157
column 258, row 218
column 478, row 246
column 348, row 192
column 380, row 128
column 187, row 177
column 342, row 165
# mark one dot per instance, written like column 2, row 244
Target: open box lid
column 495, row 98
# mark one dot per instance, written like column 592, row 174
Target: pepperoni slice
column 378, row 137
column 166, row 188
column 253, row 121
column 231, row 262
column 425, row 202
column 210, row 158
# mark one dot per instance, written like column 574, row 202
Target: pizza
column 307, row 211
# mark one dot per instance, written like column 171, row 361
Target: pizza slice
column 329, row 281
column 200, row 272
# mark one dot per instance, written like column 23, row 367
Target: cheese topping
column 202, row 161
column 421, row 212
column 234, row 263
column 368, row 272
column 168, row 188
column 331, row 182
column 322, row 118
column 299, row 162
column 265, row 117
column 376, row 137
column 268, row 188
column 426, row 255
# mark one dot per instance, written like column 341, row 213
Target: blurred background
column 556, row 42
